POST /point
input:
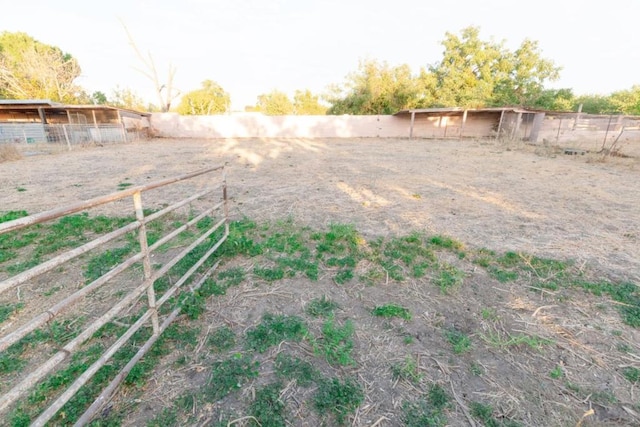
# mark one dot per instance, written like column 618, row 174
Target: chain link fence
column 69, row 134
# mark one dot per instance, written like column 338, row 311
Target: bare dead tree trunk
column 164, row 91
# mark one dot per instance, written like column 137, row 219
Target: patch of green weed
column 269, row 274
column 556, row 372
column 232, row 277
column 632, row 374
column 267, row 407
column 484, row 413
column 460, row 342
column 321, row 307
column 167, row 417
column 343, row 276
column 408, row 371
column 448, row 278
column 339, row 398
column 446, row 242
column 391, row 310
column 421, row 414
column 6, row 310
column 336, row 343
column 290, row 367
column 229, row 375
column 273, row 329
column 104, row 262
column 221, row 339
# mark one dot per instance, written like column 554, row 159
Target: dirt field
column 573, row 351
column 484, row 194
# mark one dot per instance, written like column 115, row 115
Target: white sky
column 251, row 47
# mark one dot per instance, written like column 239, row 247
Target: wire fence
column 69, row 134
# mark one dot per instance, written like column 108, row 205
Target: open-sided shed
column 458, row 122
column 45, row 121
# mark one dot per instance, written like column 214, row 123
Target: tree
column 165, row 91
column 467, row 74
column 555, row 100
column 595, row 104
column 305, row 103
column 275, row 103
column 98, row 98
column 210, row 99
column 476, row 73
column 127, row 98
column 33, row 70
column 522, row 76
column 376, row 88
column 626, row 101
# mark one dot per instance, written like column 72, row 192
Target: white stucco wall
column 172, row 125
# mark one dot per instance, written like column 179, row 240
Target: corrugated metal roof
column 25, row 104
column 30, row 102
column 461, row 110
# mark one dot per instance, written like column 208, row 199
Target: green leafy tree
column 469, row 70
column 209, row 99
column 98, row 98
column 275, row 103
column 127, row 98
column 594, row 104
column 30, row 69
column 305, row 103
column 626, row 101
column 522, row 75
column 477, row 73
column 376, row 88
column 555, row 100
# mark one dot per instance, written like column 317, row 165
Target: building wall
column 253, row 125
column 587, row 131
column 250, row 125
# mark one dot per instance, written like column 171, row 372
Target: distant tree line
column 472, row 73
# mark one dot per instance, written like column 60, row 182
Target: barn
column 38, row 120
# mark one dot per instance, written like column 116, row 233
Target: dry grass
column 538, row 355
column 9, row 152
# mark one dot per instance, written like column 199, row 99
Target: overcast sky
column 252, row 47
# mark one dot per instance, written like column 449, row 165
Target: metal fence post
column 146, row 260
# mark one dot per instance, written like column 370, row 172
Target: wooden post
column 538, row 119
column 558, row 134
column 95, row 125
column 43, row 116
column 516, row 128
column 124, row 130
column 413, row 119
column 500, row 124
column 464, row 120
column 604, row 142
column 66, row 136
column 575, row 122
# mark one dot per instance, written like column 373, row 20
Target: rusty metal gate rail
column 150, row 276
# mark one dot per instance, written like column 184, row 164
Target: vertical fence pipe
column 606, row 133
column 225, row 200
column 559, row 127
column 66, row 136
column 146, row 260
column 108, row 391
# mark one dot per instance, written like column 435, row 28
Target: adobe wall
column 585, row 131
column 251, row 125
column 172, row 125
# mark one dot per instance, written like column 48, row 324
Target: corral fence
column 211, row 201
column 69, row 134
